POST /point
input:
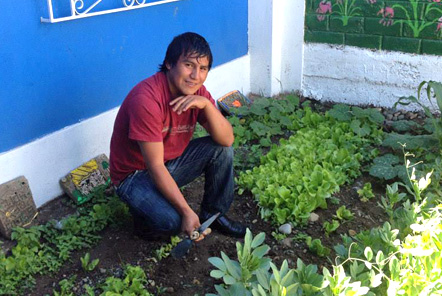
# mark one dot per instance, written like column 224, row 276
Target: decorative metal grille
column 78, row 8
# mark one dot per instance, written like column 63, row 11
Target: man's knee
column 225, row 153
column 170, row 225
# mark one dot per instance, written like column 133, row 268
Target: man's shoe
column 226, row 226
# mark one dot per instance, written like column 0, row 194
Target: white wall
column 44, row 161
column 276, row 34
column 362, row 76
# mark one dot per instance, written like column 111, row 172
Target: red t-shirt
column 146, row 115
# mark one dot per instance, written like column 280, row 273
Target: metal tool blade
column 183, row 247
column 207, row 223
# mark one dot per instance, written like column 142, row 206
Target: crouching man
column 152, row 154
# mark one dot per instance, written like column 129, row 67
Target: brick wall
column 413, row 26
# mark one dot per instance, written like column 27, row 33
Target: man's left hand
column 184, row 103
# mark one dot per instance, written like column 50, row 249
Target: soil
column 190, row 275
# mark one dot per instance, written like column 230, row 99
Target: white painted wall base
column 44, row 161
column 361, row 76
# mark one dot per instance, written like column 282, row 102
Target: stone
column 285, row 228
column 170, row 290
column 17, row 207
column 287, row 242
column 92, row 176
column 412, row 116
column 313, row 217
column 352, row 232
column 400, row 117
column 389, row 116
column 254, row 221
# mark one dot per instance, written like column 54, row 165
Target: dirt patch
column 190, row 275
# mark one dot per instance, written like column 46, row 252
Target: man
column 152, row 154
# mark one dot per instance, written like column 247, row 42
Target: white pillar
column 276, row 42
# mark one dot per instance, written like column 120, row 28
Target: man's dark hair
column 186, row 44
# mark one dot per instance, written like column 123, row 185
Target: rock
column 389, row 117
column 304, row 251
column 169, row 290
column 412, row 116
column 102, row 270
column 151, row 283
column 254, row 221
column 287, row 242
column 352, row 232
column 285, row 228
column 397, row 114
column 313, row 217
column 196, row 282
column 400, row 117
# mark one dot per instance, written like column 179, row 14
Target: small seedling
column 330, row 227
column 344, row 214
column 366, row 193
column 278, row 236
column 88, row 265
column 316, row 246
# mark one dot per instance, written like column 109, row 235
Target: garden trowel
column 184, row 246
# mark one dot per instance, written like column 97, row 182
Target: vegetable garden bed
column 293, row 158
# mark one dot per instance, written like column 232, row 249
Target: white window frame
column 77, row 11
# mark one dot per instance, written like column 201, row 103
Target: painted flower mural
column 323, row 9
column 387, row 16
column 439, row 28
column 410, row 9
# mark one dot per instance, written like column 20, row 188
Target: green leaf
column 258, row 240
column 376, row 116
column 228, row 280
column 261, row 251
column 359, row 128
column 218, row 263
column 231, row 268
column 340, row 112
column 262, row 277
column 368, row 253
column 387, row 159
column 217, row 274
column 255, row 109
column 383, row 171
column 380, row 257
column 404, row 126
column 393, row 266
column 293, row 99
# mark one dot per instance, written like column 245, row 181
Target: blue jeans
column 155, row 213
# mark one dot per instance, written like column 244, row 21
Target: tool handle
column 195, row 235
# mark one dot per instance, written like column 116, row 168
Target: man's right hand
column 190, row 222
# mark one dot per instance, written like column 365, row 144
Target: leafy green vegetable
column 366, row 193
column 315, row 245
column 330, row 227
column 344, row 214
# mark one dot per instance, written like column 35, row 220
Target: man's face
column 188, row 75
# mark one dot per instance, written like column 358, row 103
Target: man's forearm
column 219, row 127
column 168, row 187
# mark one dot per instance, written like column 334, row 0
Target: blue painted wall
column 55, row 75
